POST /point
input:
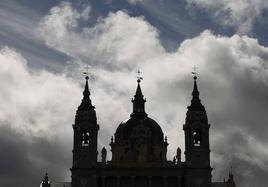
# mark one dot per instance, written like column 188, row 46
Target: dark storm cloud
column 23, row 161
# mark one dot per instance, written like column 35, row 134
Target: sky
column 46, row 45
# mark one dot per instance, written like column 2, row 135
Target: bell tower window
column 197, row 137
column 85, row 138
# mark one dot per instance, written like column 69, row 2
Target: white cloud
column 115, row 39
column 34, row 102
column 240, row 14
column 37, row 109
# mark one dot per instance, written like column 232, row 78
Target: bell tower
column 85, row 147
column 197, row 150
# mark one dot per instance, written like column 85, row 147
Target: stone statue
column 103, row 155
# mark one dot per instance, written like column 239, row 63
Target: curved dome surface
column 141, row 125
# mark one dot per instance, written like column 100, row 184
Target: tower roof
column 86, row 101
column 196, row 104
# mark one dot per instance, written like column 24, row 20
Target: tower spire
column 85, row 144
column 196, row 104
column 196, row 129
column 138, row 101
column 86, row 101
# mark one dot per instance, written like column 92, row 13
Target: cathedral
column 139, row 150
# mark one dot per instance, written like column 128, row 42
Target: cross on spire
column 86, row 72
column 139, row 77
column 195, row 72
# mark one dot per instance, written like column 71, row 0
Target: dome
column 137, row 126
column 139, row 138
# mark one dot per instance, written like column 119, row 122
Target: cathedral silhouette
column 139, row 150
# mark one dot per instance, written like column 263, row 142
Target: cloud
column 36, row 107
column 18, row 21
column 239, row 14
column 232, row 83
column 113, row 40
column 33, row 96
column 233, row 73
column 247, row 156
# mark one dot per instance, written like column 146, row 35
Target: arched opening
column 85, row 138
column 197, row 137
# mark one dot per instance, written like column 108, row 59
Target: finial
column 46, row 175
column 231, row 180
column 86, row 72
column 45, row 182
column 195, row 72
column 231, row 170
column 139, row 77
